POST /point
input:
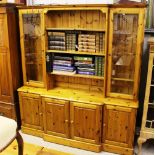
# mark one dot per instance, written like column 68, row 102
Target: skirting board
column 31, row 131
column 117, row 149
column 61, row 140
column 72, row 143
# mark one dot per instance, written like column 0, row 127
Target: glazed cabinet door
column 85, row 121
column 31, row 39
column 5, row 71
column 118, row 126
column 56, row 117
column 31, row 110
column 125, row 46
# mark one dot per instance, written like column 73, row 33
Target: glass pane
column 125, row 87
column 150, row 116
column 124, row 51
column 32, row 46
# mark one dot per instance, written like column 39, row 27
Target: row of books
column 73, row 41
column 85, row 65
column 99, row 66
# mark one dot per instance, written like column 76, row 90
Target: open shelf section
column 79, row 75
column 75, row 29
column 76, row 52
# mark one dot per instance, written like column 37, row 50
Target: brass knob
column 71, row 121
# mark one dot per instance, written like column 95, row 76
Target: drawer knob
column 66, row 121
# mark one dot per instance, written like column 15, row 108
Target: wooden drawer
column 7, row 110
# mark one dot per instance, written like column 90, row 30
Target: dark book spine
column 62, row 58
column 49, row 61
column 56, row 43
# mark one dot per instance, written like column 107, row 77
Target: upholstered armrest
column 8, row 131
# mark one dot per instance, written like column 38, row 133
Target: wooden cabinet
column 9, row 61
column 86, row 122
column 118, row 126
column 56, row 117
column 125, row 40
column 84, row 64
column 31, row 110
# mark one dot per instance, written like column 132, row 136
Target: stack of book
column 99, row 66
column 84, row 65
column 63, row 65
column 100, row 42
column 86, row 42
column 56, row 41
column 71, row 41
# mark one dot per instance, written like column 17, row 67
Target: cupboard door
column 5, row 77
column 119, row 125
column 5, row 72
column 85, row 122
column 56, row 117
column 31, row 33
column 126, row 38
column 31, row 110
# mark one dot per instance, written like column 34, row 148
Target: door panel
column 56, row 117
column 119, row 125
column 31, row 32
column 3, row 29
column 85, row 122
column 31, row 110
column 5, row 78
column 125, row 38
column 5, row 72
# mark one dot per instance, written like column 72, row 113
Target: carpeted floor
column 30, row 149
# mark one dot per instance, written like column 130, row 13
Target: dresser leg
column 140, row 142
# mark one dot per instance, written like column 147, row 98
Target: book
column 63, row 61
column 56, row 43
column 86, row 69
column 57, row 48
column 85, row 73
column 56, row 34
column 56, row 57
column 57, row 67
column 56, row 38
column 64, row 72
column 49, row 58
column 62, row 64
column 89, row 36
column 83, row 58
column 83, row 65
column 86, row 42
column 87, row 46
column 96, row 66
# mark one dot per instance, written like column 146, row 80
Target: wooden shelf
column 76, row 52
column 79, row 75
column 123, row 79
column 74, row 29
